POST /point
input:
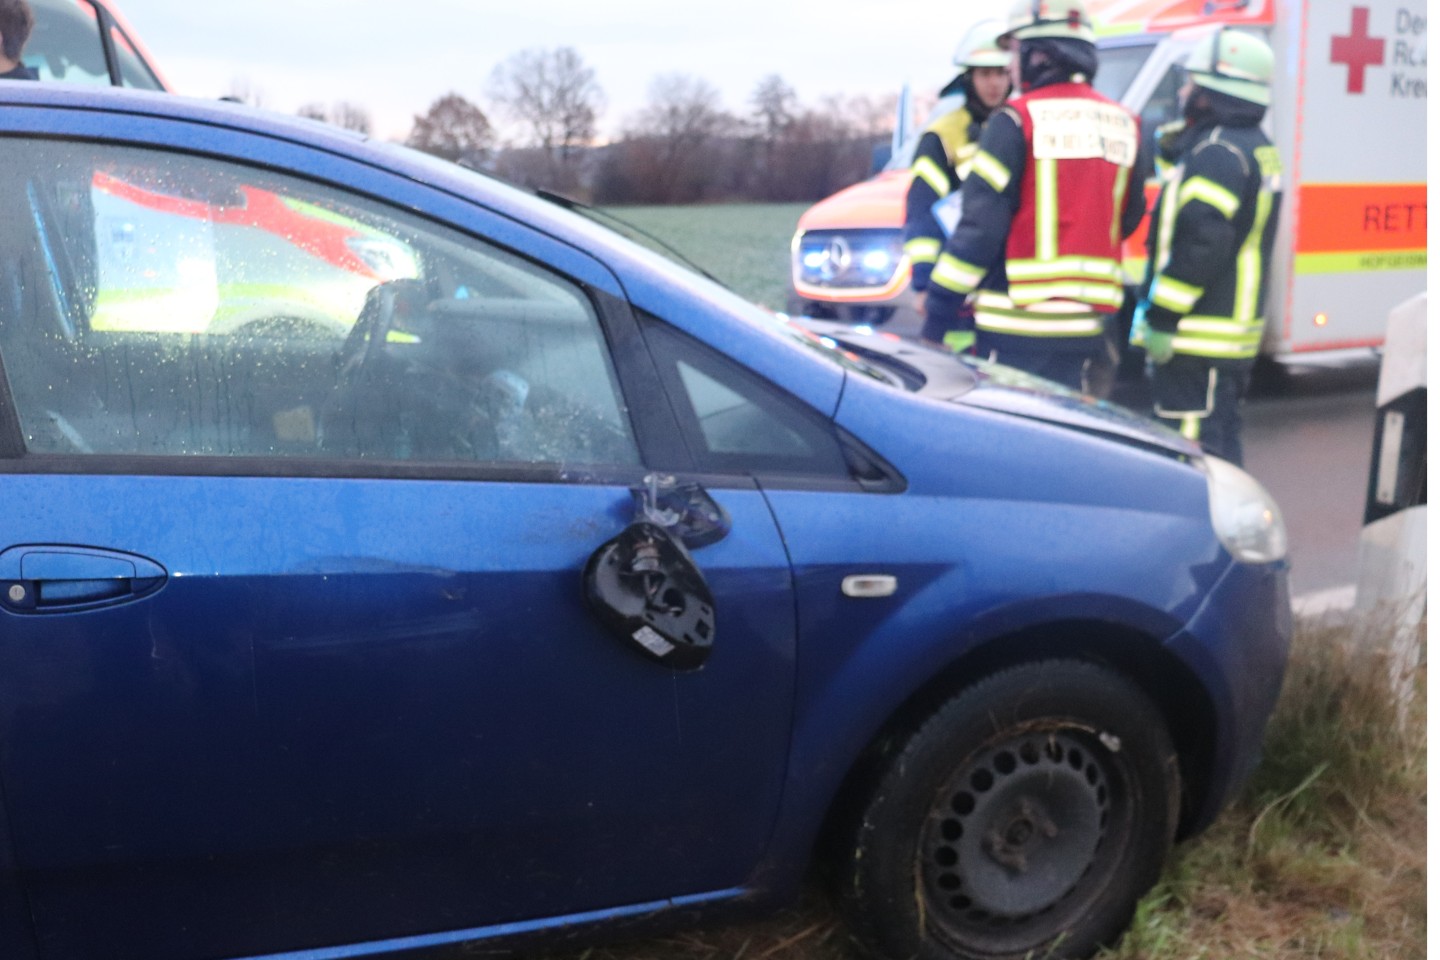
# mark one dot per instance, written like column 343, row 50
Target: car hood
column 941, row 375
column 1007, row 390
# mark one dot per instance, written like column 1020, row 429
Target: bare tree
column 773, row 107
column 452, row 128
column 682, row 117
column 343, row 114
column 553, row 94
column 873, row 116
column 351, row 116
column 243, row 90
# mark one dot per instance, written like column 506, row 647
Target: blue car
column 541, row 585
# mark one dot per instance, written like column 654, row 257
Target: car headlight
column 858, row 258
column 1245, row 517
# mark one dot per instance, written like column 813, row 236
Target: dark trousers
column 1201, row 398
column 1086, row 366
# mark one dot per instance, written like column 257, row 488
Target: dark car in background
column 556, row 587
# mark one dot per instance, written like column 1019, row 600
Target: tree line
column 683, row 146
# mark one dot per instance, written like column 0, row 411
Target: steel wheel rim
column 1015, row 831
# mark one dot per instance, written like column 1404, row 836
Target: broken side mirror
column 646, row 588
column 685, row 509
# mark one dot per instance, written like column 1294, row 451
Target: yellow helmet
column 980, row 47
column 1034, row 19
column 1235, row 63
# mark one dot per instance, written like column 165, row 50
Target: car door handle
column 45, row 578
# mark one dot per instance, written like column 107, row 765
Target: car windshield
column 1119, row 66
column 625, row 228
column 659, row 252
column 836, row 354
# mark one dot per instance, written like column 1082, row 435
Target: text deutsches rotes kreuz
column 1408, row 55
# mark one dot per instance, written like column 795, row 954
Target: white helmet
column 1234, row 63
column 1038, row 19
column 980, row 47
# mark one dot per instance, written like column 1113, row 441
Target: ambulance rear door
column 1353, row 241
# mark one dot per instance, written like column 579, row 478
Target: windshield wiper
column 603, row 216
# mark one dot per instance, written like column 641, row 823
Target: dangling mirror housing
column 644, row 585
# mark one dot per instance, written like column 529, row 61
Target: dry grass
column 1323, row 856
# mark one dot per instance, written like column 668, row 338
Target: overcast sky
column 396, row 56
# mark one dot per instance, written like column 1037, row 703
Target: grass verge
column 1322, row 856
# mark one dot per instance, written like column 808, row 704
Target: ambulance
column 89, row 42
column 240, row 244
column 1348, row 116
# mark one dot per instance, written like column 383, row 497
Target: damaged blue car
column 395, row 561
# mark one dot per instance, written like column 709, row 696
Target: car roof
column 449, row 177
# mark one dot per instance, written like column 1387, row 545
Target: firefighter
column 943, row 158
column 1211, row 235
column 1053, row 191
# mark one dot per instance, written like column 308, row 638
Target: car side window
column 735, row 421
column 180, row 306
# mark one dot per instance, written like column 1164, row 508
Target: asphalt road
column 1309, row 441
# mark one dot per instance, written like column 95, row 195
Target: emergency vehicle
column 1348, row 116
column 88, row 41
column 145, row 286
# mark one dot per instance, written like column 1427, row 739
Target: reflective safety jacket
column 1211, row 238
column 1053, row 193
column 942, row 161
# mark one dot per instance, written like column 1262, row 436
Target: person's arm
column 931, row 179
column 1134, row 210
column 1202, row 243
column 990, row 198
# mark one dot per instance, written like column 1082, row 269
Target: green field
column 744, row 245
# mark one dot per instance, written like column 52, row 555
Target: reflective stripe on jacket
column 1053, row 192
column 942, row 161
column 1211, row 242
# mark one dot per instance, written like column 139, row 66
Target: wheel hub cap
column 1016, row 829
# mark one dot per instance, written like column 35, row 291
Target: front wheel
column 1024, row 818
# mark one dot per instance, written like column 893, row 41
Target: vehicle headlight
column 1245, row 517
column 857, row 258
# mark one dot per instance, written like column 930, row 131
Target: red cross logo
column 1359, row 50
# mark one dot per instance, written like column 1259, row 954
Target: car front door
column 294, row 641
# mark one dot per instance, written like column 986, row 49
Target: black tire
column 868, row 314
column 1023, row 819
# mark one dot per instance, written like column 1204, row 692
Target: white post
column 1391, row 589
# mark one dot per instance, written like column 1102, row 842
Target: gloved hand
column 1160, row 346
column 960, row 340
column 1140, row 323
